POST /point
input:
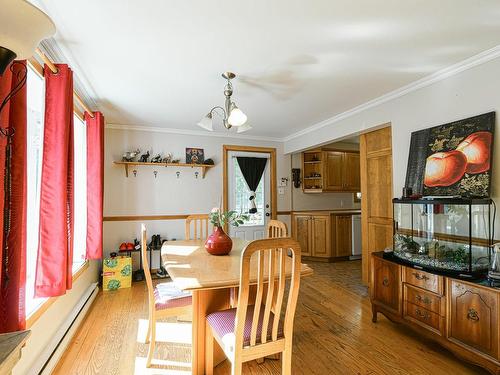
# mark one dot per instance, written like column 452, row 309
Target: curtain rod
column 54, row 70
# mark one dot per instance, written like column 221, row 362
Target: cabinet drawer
column 424, row 280
column 425, row 299
column 426, row 318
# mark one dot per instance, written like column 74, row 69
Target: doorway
column 236, row 192
column 376, row 193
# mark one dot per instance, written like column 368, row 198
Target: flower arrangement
column 220, row 218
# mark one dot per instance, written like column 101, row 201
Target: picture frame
column 195, row 155
column 453, row 159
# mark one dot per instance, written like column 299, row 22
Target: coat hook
column 155, row 173
column 178, row 174
column 135, row 172
column 196, row 174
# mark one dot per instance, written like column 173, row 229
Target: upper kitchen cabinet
column 330, row 171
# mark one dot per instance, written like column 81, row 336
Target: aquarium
column 449, row 235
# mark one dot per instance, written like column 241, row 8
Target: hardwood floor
column 334, row 334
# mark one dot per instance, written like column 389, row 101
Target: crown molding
column 440, row 75
column 157, row 129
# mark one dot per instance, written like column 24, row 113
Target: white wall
column 166, row 194
column 468, row 93
column 326, row 201
column 45, row 328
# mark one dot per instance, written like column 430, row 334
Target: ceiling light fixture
column 231, row 114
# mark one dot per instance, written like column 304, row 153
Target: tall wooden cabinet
column 324, row 235
column 331, row 171
column 462, row 316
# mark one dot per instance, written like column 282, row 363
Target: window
column 241, row 195
column 35, row 108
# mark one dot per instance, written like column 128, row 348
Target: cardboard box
column 117, row 273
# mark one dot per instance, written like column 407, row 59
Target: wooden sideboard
column 323, row 235
column 462, row 316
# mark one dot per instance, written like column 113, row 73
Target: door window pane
column 242, row 193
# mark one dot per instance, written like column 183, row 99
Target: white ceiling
column 299, row 62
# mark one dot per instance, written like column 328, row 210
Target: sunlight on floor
column 168, row 332
column 173, row 341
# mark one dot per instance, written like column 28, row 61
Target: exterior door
column 376, row 194
column 239, row 194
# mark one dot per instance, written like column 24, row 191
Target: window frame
column 38, row 312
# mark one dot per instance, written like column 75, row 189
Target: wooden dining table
column 213, row 282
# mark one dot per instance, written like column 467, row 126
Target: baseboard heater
column 49, row 358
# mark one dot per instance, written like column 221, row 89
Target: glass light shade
column 206, row 123
column 237, row 117
column 243, row 128
column 24, row 26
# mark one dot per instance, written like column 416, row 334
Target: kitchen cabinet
column 323, row 235
column 331, row 171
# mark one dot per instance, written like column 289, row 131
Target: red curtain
column 13, row 281
column 55, row 247
column 95, row 183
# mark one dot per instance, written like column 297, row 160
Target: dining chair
column 165, row 300
column 200, row 222
column 276, row 229
column 249, row 332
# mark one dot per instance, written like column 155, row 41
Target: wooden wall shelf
column 127, row 164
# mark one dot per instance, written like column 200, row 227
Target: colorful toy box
column 117, row 273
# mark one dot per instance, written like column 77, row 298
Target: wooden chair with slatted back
column 200, row 227
column 165, row 300
column 276, row 229
column 249, row 332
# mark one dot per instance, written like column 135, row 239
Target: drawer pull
column 385, row 282
column 420, row 277
column 422, row 315
column 423, row 299
column 473, row 315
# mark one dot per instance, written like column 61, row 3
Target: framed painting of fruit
column 453, row 159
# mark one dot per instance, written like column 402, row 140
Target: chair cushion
column 167, row 296
column 222, row 323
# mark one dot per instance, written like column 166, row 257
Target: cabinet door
column 385, row 288
column 352, row 180
column 473, row 316
column 320, row 232
column 333, row 179
column 343, row 235
column 301, row 232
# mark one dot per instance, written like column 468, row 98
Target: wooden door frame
column 265, row 150
column 365, row 259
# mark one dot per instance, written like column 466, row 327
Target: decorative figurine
column 168, row 158
column 156, row 159
column 130, row 155
column 144, row 157
column 176, row 161
column 209, row 162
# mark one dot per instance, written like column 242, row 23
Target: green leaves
column 219, row 219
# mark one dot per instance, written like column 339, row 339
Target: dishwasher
column 356, row 237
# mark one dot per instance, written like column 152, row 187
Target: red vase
column 219, row 243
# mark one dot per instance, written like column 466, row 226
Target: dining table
column 213, row 282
